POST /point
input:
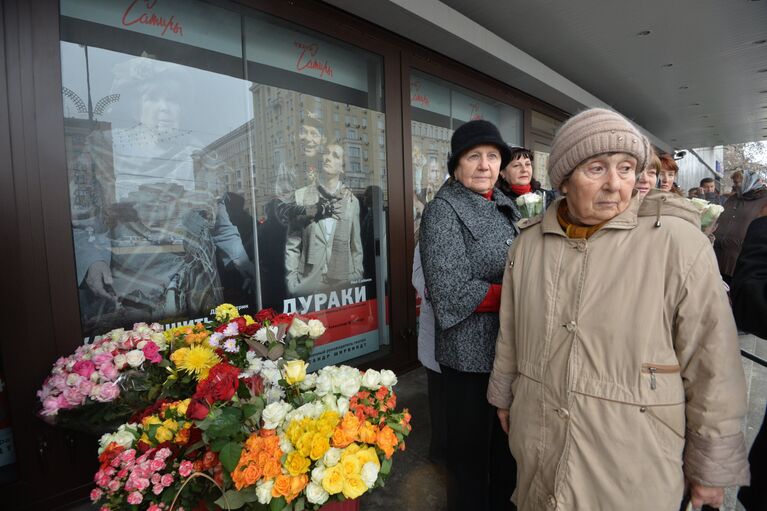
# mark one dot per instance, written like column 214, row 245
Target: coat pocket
column 667, row 424
column 654, row 370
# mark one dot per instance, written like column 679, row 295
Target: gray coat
column 464, row 239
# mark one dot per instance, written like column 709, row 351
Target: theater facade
column 158, row 158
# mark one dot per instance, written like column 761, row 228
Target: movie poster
column 190, row 187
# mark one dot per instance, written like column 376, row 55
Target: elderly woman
column 465, row 232
column 616, row 386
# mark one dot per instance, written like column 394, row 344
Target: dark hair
column 667, row 162
column 706, row 180
column 520, row 152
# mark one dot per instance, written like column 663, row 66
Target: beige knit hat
column 593, row 132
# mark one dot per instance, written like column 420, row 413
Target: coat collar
column 626, row 220
column 467, row 204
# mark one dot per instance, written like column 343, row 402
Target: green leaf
column 396, row 427
column 218, row 444
column 237, row 499
column 228, row 423
column 277, row 504
column 299, row 504
column 230, row 455
column 249, row 409
column 386, row 466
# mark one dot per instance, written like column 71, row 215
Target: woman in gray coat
column 464, row 235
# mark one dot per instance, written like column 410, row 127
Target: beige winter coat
column 605, row 346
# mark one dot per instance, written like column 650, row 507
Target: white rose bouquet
column 530, row 204
column 709, row 213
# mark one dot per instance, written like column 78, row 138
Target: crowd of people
column 587, row 357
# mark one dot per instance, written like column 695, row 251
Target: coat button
column 509, row 241
column 571, row 326
column 551, row 501
column 563, row 413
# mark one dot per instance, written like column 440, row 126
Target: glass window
column 202, row 170
column 437, row 109
column 544, row 124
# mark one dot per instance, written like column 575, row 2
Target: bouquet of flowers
column 530, row 204
column 101, row 384
column 709, row 213
column 235, row 421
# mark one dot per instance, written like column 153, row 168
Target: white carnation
column 264, row 491
column 316, row 328
column 388, row 378
column 369, row 474
column 332, row 457
column 371, row 379
column 316, row 494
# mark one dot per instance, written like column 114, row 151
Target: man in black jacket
column 749, row 305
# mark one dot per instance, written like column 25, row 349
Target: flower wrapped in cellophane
column 709, row 212
column 530, row 204
column 103, row 383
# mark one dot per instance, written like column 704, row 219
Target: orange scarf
column 573, row 230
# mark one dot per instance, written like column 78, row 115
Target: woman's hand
column 503, row 416
column 705, row 495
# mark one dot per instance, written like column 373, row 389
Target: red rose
column 282, row 318
column 240, row 323
column 264, row 315
column 221, row 383
column 220, row 328
column 197, row 409
column 251, row 329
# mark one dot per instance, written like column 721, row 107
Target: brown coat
column 732, row 226
column 605, row 346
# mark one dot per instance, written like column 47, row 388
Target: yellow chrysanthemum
column 197, row 360
column 226, row 312
column 248, row 319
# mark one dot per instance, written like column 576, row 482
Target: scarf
column 521, row 189
column 573, row 230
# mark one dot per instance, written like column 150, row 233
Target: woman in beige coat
column 616, row 386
